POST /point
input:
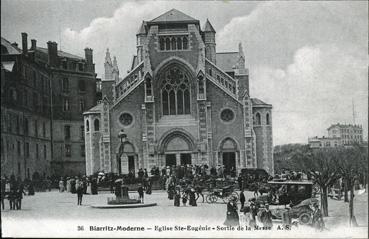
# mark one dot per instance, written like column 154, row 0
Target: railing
column 223, row 79
column 129, row 81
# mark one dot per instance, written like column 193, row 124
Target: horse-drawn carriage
column 224, row 193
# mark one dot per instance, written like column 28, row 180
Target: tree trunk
column 345, row 188
column 324, row 200
column 352, row 219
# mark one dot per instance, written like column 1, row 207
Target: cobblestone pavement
column 57, row 214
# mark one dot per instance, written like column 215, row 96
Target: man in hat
column 140, row 192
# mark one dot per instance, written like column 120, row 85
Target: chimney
column 52, row 50
column 33, row 44
column 24, row 43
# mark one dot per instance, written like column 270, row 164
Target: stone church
column 180, row 103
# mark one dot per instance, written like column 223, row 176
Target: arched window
column 179, row 43
column 87, row 126
column 162, row 43
column 201, row 85
column 175, row 92
column 148, row 87
column 267, row 119
column 174, row 44
column 96, row 125
column 258, row 119
column 167, row 44
column 185, row 43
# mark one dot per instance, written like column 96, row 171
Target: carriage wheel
column 304, row 218
column 211, row 198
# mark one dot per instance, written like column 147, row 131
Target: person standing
column 232, row 218
column 193, row 198
column 318, row 222
column 61, row 185
column 19, row 194
column 3, row 184
column 267, row 217
column 177, row 198
column 79, row 191
column 253, row 212
column 242, row 199
column 140, row 193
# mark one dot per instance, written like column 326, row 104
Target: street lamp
column 122, row 136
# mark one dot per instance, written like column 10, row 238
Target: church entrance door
column 186, row 159
column 131, row 163
column 170, row 159
column 229, row 162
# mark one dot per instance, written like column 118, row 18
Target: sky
column 309, row 59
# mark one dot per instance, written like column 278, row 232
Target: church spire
column 107, row 56
column 208, row 27
column 115, row 65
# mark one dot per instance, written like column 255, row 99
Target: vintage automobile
column 287, row 192
column 302, row 212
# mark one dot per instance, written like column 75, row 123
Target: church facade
column 181, row 103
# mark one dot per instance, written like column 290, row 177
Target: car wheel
column 304, row 218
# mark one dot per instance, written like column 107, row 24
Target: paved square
column 57, row 214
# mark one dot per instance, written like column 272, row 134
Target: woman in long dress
column 232, row 218
column 68, row 185
column 89, row 191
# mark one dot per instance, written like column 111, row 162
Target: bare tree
column 321, row 165
column 353, row 164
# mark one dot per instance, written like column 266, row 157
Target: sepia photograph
column 184, row 119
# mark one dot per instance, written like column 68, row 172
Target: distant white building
column 338, row 135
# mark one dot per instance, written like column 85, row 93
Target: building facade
column 25, row 113
column 55, row 88
column 180, row 103
column 338, row 135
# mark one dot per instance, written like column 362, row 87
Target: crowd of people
column 79, row 186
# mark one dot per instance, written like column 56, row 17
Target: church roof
column 259, row 103
column 12, row 50
column 94, row 110
column 208, row 27
column 173, row 16
column 227, row 60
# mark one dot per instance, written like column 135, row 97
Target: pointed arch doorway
column 229, row 154
column 177, row 148
column 127, row 159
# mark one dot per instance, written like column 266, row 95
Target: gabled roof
column 94, row 110
column 259, row 103
column 60, row 53
column 12, row 50
column 173, row 16
column 227, row 60
column 208, row 27
column 142, row 29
